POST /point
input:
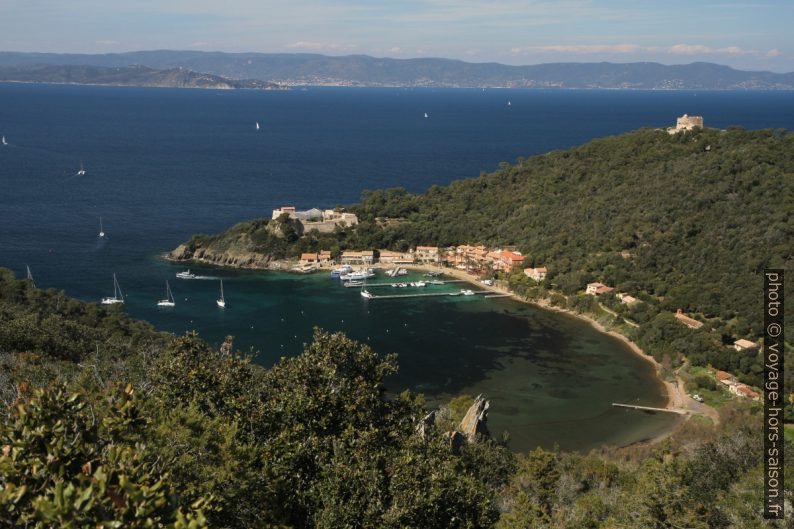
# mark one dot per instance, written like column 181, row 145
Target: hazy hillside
column 300, row 68
column 125, row 76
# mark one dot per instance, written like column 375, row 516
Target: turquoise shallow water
column 551, row 378
column 163, row 164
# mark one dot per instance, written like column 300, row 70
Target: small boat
column 169, row 297
column 509, row 103
column 354, row 283
column 402, row 272
column 467, row 292
column 426, row 115
column 357, row 276
column 432, row 274
column 435, row 282
column 118, row 297
column 366, row 294
column 342, row 270
column 257, row 125
column 222, row 301
column 81, row 172
column 4, row 141
column 187, row 274
column 101, row 230
column 30, row 277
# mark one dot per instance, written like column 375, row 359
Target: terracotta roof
column 746, row 391
column 686, row 320
column 722, row 375
column 513, row 256
column 427, row 248
column 308, row 256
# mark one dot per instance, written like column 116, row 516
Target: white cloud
column 693, row 49
column 395, row 49
column 774, row 52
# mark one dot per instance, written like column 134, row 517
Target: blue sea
column 163, row 164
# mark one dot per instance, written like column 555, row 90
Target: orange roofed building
column 596, row 289
column 692, row 323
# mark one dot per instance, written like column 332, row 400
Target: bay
column 163, row 164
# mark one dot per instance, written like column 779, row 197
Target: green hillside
column 684, row 221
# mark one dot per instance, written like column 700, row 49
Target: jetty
column 678, row 411
column 422, row 295
column 408, row 283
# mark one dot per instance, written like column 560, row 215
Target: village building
column 597, row 289
column 743, row 345
column 725, row 378
column 309, row 258
column 626, row 299
column 365, row 257
column 314, row 219
column 538, row 274
column 508, row 260
column 692, row 323
column 686, row 122
column 427, row 254
column 397, row 258
column 745, row 391
column 324, row 257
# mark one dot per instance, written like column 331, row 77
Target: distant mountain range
column 362, row 70
column 126, row 76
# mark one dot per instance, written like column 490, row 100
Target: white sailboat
column 81, row 172
column 118, row 297
column 101, row 230
column 30, row 277
column 4, row 141
column 222, row 301
column 169, row 297
column 426, row 115
column 257, row 125
column 509, row 103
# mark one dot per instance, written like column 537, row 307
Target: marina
column 368, row 295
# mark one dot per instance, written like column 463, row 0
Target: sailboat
column 4, row 141
column 81, row 172
column 169, row 297
column 118, row 297
column 222, row 301
column 101, row 230
column 257, row 125
column 426, row 114
column 30, row 277
column 509, row 103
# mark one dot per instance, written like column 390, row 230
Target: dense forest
column 106, row 422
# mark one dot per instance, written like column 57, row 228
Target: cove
column 550, row 377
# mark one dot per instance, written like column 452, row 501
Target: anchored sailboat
column 118, row 297
column 169, row 297
column 222, row 301
column 101, row 230
column 4, row 141
column 257, row 125
column 81, row 172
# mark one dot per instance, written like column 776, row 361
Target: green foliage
column 66, row 464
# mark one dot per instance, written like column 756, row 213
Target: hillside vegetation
column 109, row 423
column 684, row 221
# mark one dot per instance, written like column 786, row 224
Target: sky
column 751, row 34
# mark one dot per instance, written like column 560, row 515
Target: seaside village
column 475, row 262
